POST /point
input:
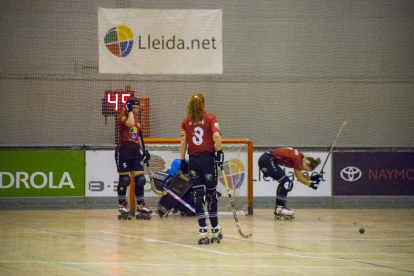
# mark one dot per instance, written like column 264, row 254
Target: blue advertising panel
column 373, row 173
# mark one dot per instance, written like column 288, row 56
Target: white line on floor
column 172, row 243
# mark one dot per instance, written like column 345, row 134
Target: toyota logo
column 351, row 174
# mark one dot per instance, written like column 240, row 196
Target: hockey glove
column 146, row 156
column 220, row 158
column 314, row 185
column 184, row 167
column 316, row 177
column 128, row 107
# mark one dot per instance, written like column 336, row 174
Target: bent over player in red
column 129, row 159
column 269, row 164
column 200, row 131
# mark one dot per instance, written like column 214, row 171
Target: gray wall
column 294, row 71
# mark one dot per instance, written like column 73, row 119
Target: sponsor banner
column 42, row 173
column 102, row 177
column 373, row 173
column 266, row 186
column 155, row 41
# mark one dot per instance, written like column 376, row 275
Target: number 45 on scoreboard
column 114, row 101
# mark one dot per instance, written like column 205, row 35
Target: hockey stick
column 343, row 124
column 232, row 206
column 180, row 200
column 161, row 193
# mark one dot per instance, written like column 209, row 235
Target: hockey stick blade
column 157, row 192
column 233, row 208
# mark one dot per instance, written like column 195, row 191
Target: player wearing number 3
column 269, row 164
column 129, row 159
column 200, row 132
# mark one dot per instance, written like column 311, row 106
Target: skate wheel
column 129, row 218
column 199, row 241
column 119, row 217
column 278, row 218
column 124, row 217
column 207, row 241
column 221, row 236
column 218, row 240
column 287, row 218
column 212, row 240
column 145, row 217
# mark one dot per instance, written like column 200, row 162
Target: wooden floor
column 317, row 242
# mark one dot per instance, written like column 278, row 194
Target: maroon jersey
column 128, row 136
column 200, row 135
column 288, row 157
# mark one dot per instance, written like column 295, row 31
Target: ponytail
column 195, row 108
column 313, row 163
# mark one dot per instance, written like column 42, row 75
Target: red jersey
column 199, row 136
column 128, row 136
column 288, row 157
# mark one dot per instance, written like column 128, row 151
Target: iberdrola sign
column 42, row 173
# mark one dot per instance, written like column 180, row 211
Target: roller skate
column 216, row 234
column 124, row 211
column 282, row 212
column 203, row 236
column 143, row 212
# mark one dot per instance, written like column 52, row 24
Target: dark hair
column 195, row 108
column 313, row 163
column 133, row 101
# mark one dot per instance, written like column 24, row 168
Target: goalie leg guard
column 212, row 206
column 139, row 187
column 124, row 181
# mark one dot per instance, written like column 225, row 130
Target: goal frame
column 223, row 141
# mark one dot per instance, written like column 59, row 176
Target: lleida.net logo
column 235, row 173
column 119, row 40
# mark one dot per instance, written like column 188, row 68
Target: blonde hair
column 313, row 163
column 195, row 108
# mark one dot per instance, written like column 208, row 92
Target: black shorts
column 128, row 161
column 269, row 167
column 203, row 170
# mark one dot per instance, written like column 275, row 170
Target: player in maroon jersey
column 201, row 133
column 269, row 164
column 129, row 159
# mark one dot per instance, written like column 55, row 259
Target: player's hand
column 314, row 184
column 146, row 156
column 316, row 177
column 184, row 166
column 128, row 107
column 220, row 158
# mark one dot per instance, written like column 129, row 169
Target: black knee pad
column 140, row 181
column 288, row 185
column 199, row 195
column 211, row 198
column 124, row 180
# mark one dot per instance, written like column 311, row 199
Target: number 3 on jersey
column 198, row 136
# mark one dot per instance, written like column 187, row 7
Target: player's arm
column 304, row 179
column 183, row 148
column 130, row 122
column 217, row 140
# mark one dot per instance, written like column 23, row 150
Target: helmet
column 133, row 101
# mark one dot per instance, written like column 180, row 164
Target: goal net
column 238, row 155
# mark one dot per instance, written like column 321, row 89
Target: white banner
column 266, row 186
column 154, row 41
